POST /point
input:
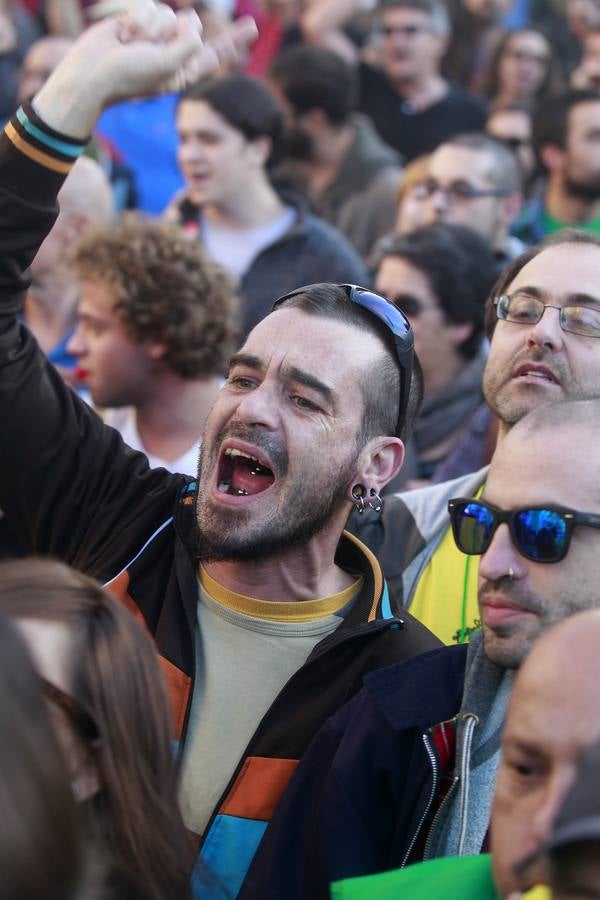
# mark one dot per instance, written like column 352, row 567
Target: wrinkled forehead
column 331, row 349
column 451, row 162
column 562, row 270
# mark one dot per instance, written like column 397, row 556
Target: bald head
column 84, row 199
column 40, row 61
column 87, row 193
column 553, row 716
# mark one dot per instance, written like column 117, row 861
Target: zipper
column 435, row 771
column 471, row 722
column 436, row 818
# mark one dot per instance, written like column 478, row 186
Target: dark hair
column 42, row 853
column 564, row 236
column 506, row 171
column 436, row 9
column 460, row 267
column 165, row 290
column 553, row 80
column 116, row 677
column 313, row 77
column 381, row 386
column 245, row 103
column 551, row 119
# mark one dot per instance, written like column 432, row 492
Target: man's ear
column 260, row 149
column 379, row 462
column 511, row 207
column 552, row 157
column 156, row 350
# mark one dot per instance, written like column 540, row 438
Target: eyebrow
column 291, row 373
column 577, row 299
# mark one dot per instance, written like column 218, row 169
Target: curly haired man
column 157, row 322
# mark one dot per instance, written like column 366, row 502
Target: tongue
column 250, row 481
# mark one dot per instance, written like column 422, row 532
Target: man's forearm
column 323, row 22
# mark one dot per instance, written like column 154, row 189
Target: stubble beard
column 306, row 504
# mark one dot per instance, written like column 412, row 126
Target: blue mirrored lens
column 475, row 528
column 395, row 320
column 541, row 534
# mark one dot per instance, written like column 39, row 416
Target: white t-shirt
column 236, row 249
column 124, row 420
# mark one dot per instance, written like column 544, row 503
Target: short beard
column 588, row 191
column 308, row 506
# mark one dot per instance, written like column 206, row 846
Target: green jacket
column 452, row 877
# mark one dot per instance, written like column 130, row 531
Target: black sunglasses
column 540, row 533
column 396, row 322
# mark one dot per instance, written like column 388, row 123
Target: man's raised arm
column 68, row 486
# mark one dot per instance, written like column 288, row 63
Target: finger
column 233, row 41
column 106, row 8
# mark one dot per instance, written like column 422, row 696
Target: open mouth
column 241, row 474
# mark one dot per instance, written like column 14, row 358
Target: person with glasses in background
column 265, row 613
column 406, row 770
column 440, row 277
column 476, row 181
column 413, row 107
column 543, row 324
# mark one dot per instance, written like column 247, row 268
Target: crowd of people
column 300, row 406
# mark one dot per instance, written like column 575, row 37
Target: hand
column 149, row 50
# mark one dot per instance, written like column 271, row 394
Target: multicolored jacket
column 72, row 490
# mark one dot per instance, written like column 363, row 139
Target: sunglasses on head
column 394, row 320
column 540, row 533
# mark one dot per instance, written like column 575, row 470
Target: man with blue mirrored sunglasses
column 407, row 769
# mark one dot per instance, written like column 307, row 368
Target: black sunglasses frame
column 570, row 517
column 403, row 340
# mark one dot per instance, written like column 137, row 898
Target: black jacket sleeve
column 69, row 486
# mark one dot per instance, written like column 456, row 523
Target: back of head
column 42, row 847
column 87, row 193
column 459, row 266
column 115, row 676
column 245, row 103
column 316, row 78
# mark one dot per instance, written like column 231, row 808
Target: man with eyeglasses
column 384, row 784
column 413, row 107
column 543, row 323
column 265, row 612
column 475, row 180
column 566, row 142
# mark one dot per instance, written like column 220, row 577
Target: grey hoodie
column 461, row 822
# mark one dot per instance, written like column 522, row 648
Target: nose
column 547, row 332
column 76, row 345
column 439, row 202
column 502, row 558
column 259, row 407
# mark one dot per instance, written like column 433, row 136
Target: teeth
column 537, row 375
column 223, row 487
column 231, row 451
